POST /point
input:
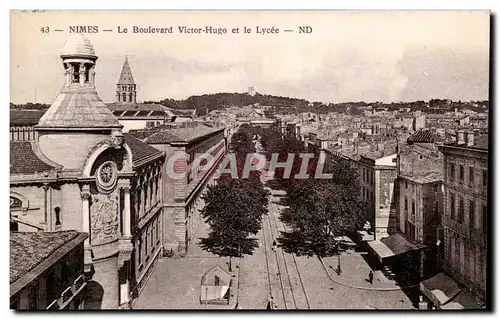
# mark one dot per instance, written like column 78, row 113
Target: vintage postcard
column 272, row 160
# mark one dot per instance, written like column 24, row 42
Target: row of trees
column 235, row 207
column 319, row 210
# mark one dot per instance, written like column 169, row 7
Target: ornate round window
column 106, row 176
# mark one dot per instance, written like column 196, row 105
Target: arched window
column 57, row 212
column 124, row 97
column 130, row 97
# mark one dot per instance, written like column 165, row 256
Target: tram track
column 300, row 299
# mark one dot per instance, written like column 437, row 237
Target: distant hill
column 209, row 102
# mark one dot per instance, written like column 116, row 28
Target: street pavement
column 175, row 283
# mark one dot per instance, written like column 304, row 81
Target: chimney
column 460, row 137
column 470, row 138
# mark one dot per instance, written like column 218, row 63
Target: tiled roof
column 423, row 177
column 25, row 117
column 376, row 154
column 28, row 249
column 23, row 159
column 424, row 136
column 182, row 112
column 480, row 142
column 181, row 135
column 140, row 150
column 78, row 107
column 136, row 107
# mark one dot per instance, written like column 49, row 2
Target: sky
column 349, row 56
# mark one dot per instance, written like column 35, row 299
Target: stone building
column 464, row 222
column 182, row 192
column 377, row 171
column 125, row 88
column 419, row 197
column 46, row 270
column 419, row 188
column 82, row 173
column 465, row 215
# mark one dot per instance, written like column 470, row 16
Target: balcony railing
column 68, row 294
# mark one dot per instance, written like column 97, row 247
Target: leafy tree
column 241, row 143
column 234, row 210
column 320, row 210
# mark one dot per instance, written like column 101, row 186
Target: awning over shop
column 464, row 300
column 439, row 289
column 390, row 246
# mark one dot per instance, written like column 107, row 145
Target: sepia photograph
column 250, row 160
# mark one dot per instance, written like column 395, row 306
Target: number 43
column 45, row 29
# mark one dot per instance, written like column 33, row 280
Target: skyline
column 384, row 56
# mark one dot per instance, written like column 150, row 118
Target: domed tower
column 126, row 88
column 78, row 118
column 80, row 133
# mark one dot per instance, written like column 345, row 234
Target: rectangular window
column 461, row 173
column 452, row 172
column 485, row 177
column 452, row 206
column 461, row 210
column 471, row 175
column 406, row 185
column 413, row 206
column 472, row 213
column 406, row 204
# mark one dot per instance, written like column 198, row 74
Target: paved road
column 300, row 282
column 175, row 283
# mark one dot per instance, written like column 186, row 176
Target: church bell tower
column 126, row 88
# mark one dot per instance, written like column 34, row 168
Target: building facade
column 185, row 178
column 466, row 210
column 82, row 173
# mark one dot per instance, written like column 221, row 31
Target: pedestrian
column 370, row 277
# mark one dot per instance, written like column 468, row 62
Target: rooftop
column 78, row 107
column 126, row 75
column 141, row 152
column 28, row 249
column 24, row 160
column 22, row 117
column 136, row 107
column 480, row 143
column 181, row 135
column 423, row 177
column 78, row 45
column 424, row 136
column 374, row 153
